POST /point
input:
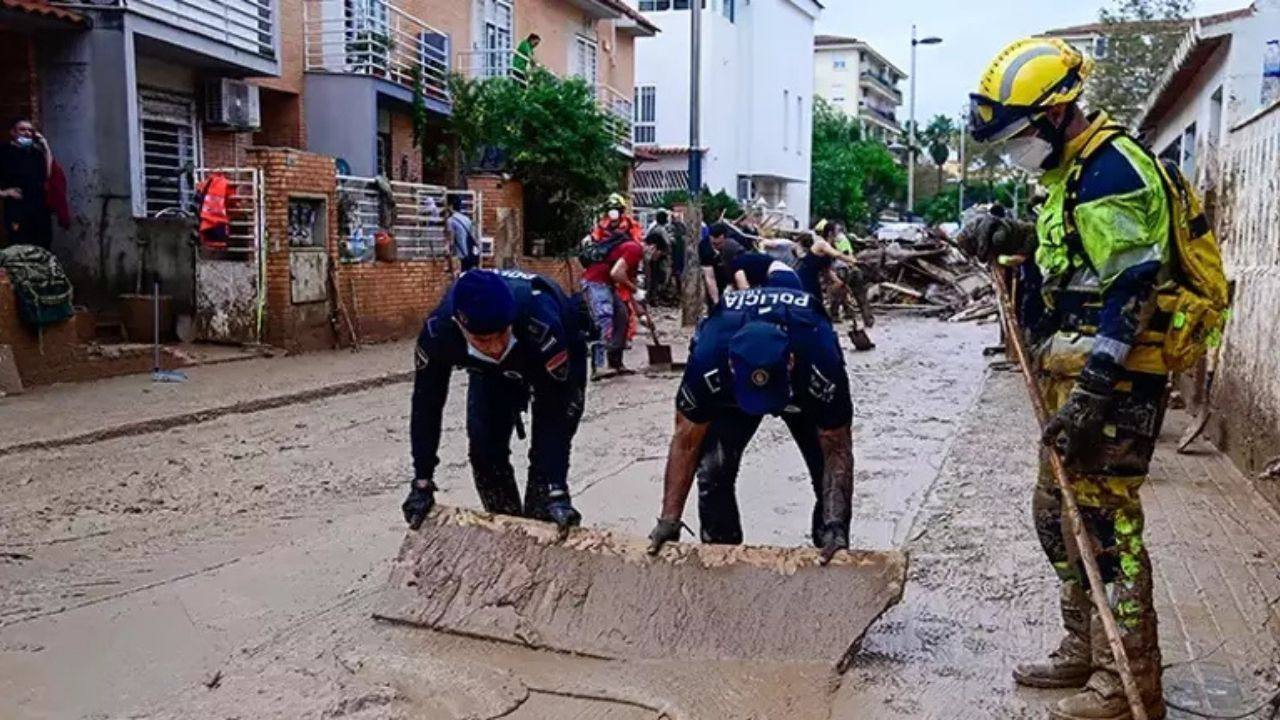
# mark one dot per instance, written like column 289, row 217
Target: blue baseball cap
column 759, row 356
column 483, row 303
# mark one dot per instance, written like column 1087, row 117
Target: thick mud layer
column 231, row 567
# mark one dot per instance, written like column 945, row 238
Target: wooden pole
column 1084, row 543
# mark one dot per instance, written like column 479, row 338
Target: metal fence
column 244, row 210
column 413, row 214
column 377, row 39
column 619, row 110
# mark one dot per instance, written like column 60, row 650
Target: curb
column 153, row 425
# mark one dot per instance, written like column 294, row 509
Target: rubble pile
column 925, row 271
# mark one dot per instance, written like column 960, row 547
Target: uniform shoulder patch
column 558, row 365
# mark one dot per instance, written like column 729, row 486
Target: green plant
column 552, row 137
column 853, row 179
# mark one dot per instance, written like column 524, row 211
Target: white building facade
column 756, row 103
column 1215, row 82
column 854, row 78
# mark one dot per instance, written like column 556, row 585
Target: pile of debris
column 927, row 272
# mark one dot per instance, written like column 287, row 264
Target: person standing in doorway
column 25, row 165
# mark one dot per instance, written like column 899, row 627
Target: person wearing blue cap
column 520, row 338
column 764, row 351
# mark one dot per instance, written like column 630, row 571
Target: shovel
column 659, row 354
column 158, row 374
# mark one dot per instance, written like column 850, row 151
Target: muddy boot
column 615, row 363
column 1103, row 697
column 1071, row 664
column 497, row 489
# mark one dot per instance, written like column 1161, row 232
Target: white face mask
column 614, row 214
column 473, row 352
column 1029, row 153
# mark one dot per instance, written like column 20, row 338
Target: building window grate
column 170, row 148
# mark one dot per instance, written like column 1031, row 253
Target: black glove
column 991, row 236
column 834, row 539
column 664, row 532
column 1077, row 426
column 563, row 515
column 422, row 497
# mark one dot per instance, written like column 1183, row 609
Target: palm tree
column 938, row 137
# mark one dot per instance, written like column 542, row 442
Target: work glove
column 990, row 236
column 1077, row 426
column 664, row 532
column 834, row 539
column 563, row 515
column 422, row 497
column 639, row 296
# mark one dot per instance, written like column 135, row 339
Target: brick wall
column 290, row 172
column 224, row 149
column 448, row 16
column 291, row 50
column 282, row 121
column 499, row 198
column 406, row 160
column 388, row 301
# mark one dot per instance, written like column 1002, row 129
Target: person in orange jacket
column 617, row 221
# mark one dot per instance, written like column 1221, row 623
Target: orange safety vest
column 214, row 221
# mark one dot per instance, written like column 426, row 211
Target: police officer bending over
column 520, row 338
column 764, row 351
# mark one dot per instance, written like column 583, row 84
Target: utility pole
column 691, row 303
column 964, row 164
column 911, row 142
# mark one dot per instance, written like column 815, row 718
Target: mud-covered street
column 226, row 565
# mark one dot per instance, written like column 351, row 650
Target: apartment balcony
column 881, row 117
column 881, row 84
column 234, row 34
column 379, row 40
column 619, row 112
column 485, row 64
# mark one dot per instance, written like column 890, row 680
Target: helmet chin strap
column 1056, row 135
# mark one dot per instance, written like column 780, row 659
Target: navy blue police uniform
column 809, row 390
column 758, row 269
column 546, row 363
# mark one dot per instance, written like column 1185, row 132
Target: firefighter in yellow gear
column 1102, row 243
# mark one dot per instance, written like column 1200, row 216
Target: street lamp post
column 911, row 142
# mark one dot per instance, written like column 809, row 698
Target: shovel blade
column 659, row 356
column 599, row 594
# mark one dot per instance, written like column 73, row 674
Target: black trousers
column 718, row 472
column 494, row 403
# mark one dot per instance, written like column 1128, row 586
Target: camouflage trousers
column 1106, row 488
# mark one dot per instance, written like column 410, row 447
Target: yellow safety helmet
column 616, row 201
column 1026, row 79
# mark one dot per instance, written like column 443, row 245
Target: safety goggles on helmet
column 992, row 121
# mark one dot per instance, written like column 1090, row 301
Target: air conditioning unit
column 231, row 103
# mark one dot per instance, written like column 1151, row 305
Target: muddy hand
column 664, row 532
column 833, row 541
column 422, row 497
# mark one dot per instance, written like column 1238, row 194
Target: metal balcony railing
column 376, row 39
column 619, row 110
column 484, row 64
column 882, row 83
column 882, row 115
column 247, row 25
column 418, row 222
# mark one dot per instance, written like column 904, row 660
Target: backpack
column 594, row 253
column 1196, row 298
column 40, row 286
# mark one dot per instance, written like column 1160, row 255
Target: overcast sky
column 973, row 32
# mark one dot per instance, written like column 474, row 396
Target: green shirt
column 523, row 54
